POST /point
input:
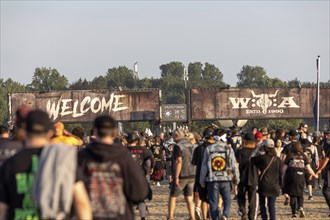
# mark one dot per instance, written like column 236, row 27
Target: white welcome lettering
column 53, row 109
column 63, row 107
column 118, row 103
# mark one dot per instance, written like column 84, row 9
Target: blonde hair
column 190, row 137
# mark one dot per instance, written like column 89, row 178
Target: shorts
column 186, row 185
column 202, row 192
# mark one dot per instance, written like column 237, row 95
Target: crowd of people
column 50, row 173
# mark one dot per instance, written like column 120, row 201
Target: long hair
column 296, row 148
column 270, row 151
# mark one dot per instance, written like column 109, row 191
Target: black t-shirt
column 8, row 148
column 297, row 162
column 140, row 155
column 198, row 158
column 286, row 149
column 17, row 177
column 157, row 151
column 169, row 152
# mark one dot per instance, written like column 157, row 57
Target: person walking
column 143, row 159
column 158, row 152
column 324, row 169
column 219, row 168
column 183, row 174
column 13, row 142
column 114, row 182
column 202, row 202
column 7, row 147
column 249, row 179
column 313, row 158
column 294, row 177
column 270, row 178
column 32, row 168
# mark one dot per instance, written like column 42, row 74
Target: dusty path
column 316, row 209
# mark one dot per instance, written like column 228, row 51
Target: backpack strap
column 265, row 170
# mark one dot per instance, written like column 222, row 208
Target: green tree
column 295, row 83
column 47, row 80
column 8, row 86
column 325, row 84
column 278, row 83
column 212, row 76
column 171, row 83
column 174, row 69
column 173, row 91
column 195, row 73
column 81, row 85
column 145, row 83
column 99, row 82
column 120, row 77
column 254, row 77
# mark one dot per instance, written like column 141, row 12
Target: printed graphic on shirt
column 137, row 155
column 218, row 161
column 5, row 154
column 169, row 151
column 297, row 162
column 24, row 182
column 156, row 151
column 106, row 189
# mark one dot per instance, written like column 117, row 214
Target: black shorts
column 202, row 192
column 186, row 185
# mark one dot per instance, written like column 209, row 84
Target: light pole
column 135, row 74
column 185, row 76
column 187, row 93
column 318, row 63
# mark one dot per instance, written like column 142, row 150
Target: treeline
column 171, row 83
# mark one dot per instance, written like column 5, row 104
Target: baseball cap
column 38, row 122
column 208, row 132
column 131, row 137
column 258, row 135
column 293, row 133
column 104, row 125
column 268, row 143
column 249, row 137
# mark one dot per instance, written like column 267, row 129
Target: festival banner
column 255, row 103
column 85, row 105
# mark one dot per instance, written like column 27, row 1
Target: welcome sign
column 84, row 105
column 253, row 103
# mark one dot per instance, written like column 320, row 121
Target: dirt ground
column 316, row 209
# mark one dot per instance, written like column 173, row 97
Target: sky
column 85, row 38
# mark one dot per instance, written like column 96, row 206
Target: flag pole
column 318, row 94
